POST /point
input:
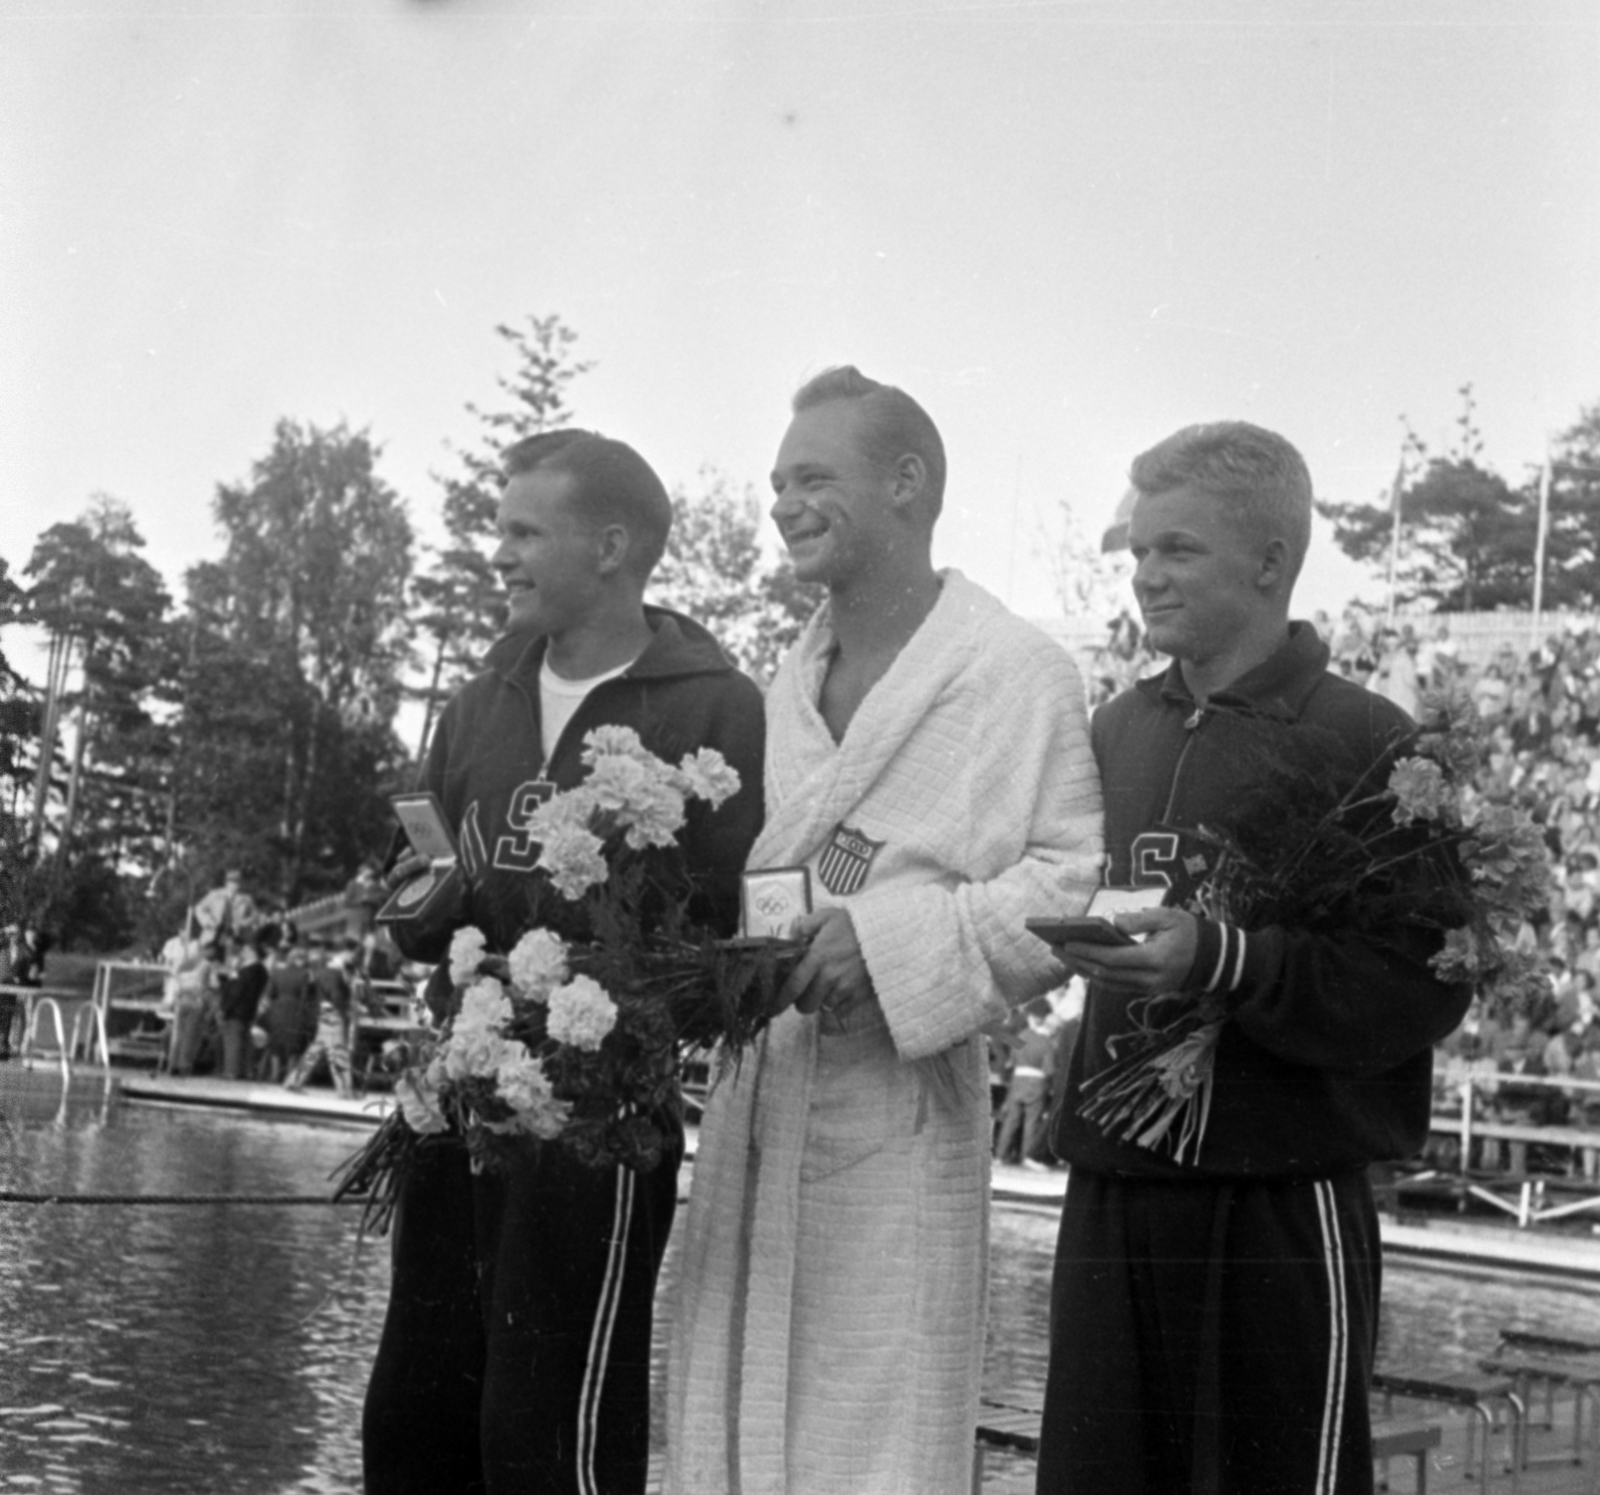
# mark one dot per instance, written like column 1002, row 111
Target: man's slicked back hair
column 1260, row 477
column 612, row 484
column 896, row 424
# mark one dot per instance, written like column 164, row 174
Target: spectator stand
column 1543, row 1162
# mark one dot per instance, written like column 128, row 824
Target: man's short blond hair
column 1261, row 478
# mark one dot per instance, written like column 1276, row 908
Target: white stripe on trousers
column 594, row 1375
column 1338, row 1340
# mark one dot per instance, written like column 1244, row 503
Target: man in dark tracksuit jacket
column 515, row 1353
column 1213, row 1319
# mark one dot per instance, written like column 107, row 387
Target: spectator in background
column 1490, row 692
column 35, row 948
column 364, row 895
column 1124, row 636
column 192, row 990
column 1396, row 676
column 1586, row 1104
column 291, row 1015
column 1033, row 1061
column 1576, row 897
column 17, row 968
column 1586, row 945
column 1067, row 1003
column 378, row 960
column 1584, row 989
column 1437, row 658
column 1560, row 1051
column 241, row 999
column 331, row 1042
column 226, row 912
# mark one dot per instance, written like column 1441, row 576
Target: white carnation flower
column 573, row 856
column 475, row 1043
column 473, row 1053
column 572, row 807
column 614, row 741
column 705, row 775
column 525, row 1087
column 581, row 1014
column 1421, row 791
column 467, row 949
column 619, row 783
column 538, row 964
column 485, row 1005
column 656, row 819
column 419, row 1105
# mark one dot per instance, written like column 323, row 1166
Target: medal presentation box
column 771, row 899
column 1094, row 926
column 433, row 898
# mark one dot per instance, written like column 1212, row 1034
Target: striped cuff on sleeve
column 1219, row 957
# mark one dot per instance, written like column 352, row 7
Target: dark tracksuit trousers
column 1212, row 1337
column 516, row 1351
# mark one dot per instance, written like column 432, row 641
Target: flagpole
column 1538, row 548
column 1394, row 535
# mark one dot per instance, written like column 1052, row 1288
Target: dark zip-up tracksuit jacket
column 1326, row 1062
column 516, row 1349
column 485, row 760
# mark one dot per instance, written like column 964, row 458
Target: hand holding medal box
column 1096, row 926
column 424, row 903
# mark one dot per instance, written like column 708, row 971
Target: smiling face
column 833, row 505
column 1199, row 581
column 548, row 555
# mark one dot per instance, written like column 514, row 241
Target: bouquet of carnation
column 578, row 1042
column 1408, row 841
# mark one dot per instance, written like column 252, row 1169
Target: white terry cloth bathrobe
column 828, row 1333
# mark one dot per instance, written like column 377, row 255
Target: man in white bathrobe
column 928, row 760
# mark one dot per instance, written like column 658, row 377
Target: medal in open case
column 433, row 896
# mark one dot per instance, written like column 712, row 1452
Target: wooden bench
column 1542, row 1339
column 1478, row 1393
column 1006, row 1419
column 1010, row 1423
column 1540, row 1362
column 1398, row 1438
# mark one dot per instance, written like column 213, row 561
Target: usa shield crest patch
column 846, row 860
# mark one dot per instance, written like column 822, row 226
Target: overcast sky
column 1067, row 228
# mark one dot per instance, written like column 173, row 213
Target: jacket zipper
column 1191, row 728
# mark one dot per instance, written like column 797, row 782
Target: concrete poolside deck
column 314, row 1103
